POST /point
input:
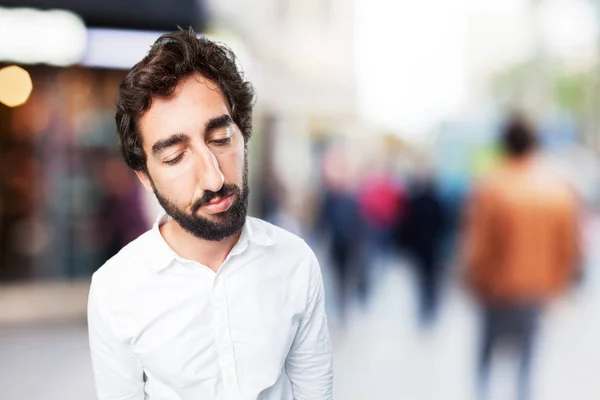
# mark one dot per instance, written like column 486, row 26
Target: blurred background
column 373, row 120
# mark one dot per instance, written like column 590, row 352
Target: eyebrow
column 172, row 140
column 212, row 124
column 217, row 122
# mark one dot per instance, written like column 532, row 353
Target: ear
column 145, row 179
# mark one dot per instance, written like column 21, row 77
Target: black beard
column 229, row 222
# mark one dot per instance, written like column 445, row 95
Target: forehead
column 194, row 101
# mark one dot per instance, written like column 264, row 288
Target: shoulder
column 285, row 250
column 278, row 238
column 127, row 265
column 292, row 257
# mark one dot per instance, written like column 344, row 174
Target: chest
column 200, row 331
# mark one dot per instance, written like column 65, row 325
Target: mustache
column 208, row 196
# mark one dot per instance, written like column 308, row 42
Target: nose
column 210, row 176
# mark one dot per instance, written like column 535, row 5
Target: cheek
column 232, row 166
column 176, row 183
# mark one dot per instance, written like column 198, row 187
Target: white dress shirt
column 165, row 328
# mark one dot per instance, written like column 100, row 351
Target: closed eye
column 221, row 142
column 174, row 160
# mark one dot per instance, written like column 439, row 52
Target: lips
column 218, row 205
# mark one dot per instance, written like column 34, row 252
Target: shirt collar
column 162, row 255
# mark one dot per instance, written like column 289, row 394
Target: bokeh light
column 15, row 86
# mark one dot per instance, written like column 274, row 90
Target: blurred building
column 67, row 200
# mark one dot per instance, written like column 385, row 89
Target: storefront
column 67, row 200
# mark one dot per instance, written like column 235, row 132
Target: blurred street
column 381, row 354
column 442, row 159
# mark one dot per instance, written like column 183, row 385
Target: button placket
column 223, row 341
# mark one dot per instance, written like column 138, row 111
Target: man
column 421, row 233
column 208, row 304
column 339, row 220
column 521, row 247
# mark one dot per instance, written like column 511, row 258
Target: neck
column 209, row 253
column 522, row 159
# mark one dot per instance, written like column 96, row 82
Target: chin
column 214, row 218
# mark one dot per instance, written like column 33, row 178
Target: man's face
column 196, row 160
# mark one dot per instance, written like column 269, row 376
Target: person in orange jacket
column 521, row 247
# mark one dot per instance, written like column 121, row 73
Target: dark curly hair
column 171, row 58
column 518, row 136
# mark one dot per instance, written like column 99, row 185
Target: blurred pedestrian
column 339, row 220
column 521, row 248
column 421, row 234
column 381, row 200
column 210, row 303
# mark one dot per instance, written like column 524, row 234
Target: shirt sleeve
column 117, row 372
column 309, row 362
